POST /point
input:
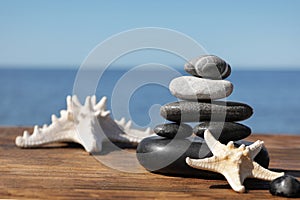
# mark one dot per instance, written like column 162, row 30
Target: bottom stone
column 167, row 156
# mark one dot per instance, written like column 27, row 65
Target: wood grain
column 66, row 171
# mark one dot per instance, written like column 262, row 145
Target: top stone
column 208, row 66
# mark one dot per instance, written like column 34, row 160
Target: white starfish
column 89, row 125
column 236, row 164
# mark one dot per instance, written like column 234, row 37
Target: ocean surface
column 30, row 96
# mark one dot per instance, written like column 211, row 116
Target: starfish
column 236, row 164
column 89, row 125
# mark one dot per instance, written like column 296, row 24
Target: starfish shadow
column 60, row 145
column 250, row 184
column 256, row 184
column 109, row 147
column 106, row 149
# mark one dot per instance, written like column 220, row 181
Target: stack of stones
column 199, row 93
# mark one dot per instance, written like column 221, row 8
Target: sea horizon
column 32, row 95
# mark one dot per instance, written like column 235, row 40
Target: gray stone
column 174, row 130
column 186, row 111
column 208, row 66
column 223, row 131
column 287, row 186
column 167, row 156
column 193, row 88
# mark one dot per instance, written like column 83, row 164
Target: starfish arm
column 210, row 164
column 234, row 180
column 40, row 137
column 214, row 145
column 123, row 132
column 264, row 174
column 133, row 135
column 124, row 137
column 255, row 148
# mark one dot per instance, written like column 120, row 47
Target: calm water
column 29, row 97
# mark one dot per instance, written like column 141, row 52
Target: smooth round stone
column 173, row 130
column 287, row 186
column 193, row 88
column 167, row 156
column 186, row 111
column 208, row 66
column 223, row 131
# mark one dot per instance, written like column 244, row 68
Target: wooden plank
column 66, row 171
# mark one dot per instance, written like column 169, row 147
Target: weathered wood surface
column 66, row 171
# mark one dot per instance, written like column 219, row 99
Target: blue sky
column 248, row 34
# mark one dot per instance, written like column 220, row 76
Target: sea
column 30, row 96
